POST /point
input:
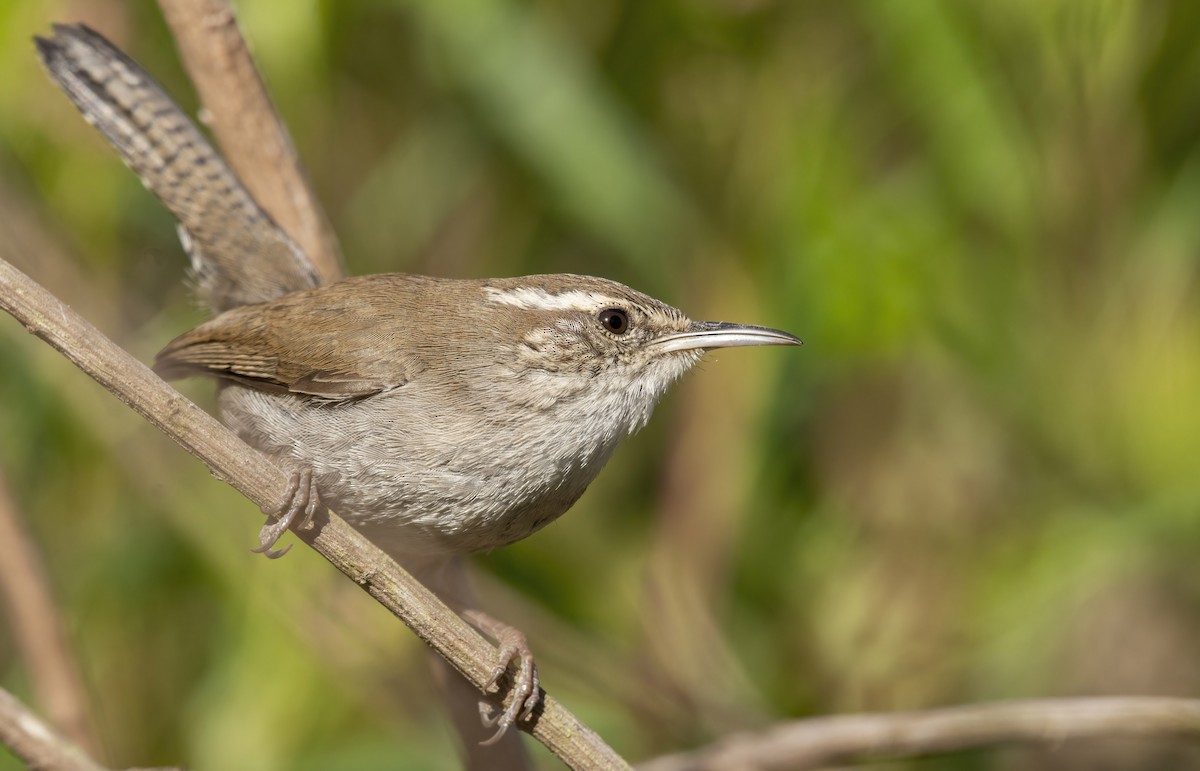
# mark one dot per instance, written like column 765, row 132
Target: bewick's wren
column 438, row 416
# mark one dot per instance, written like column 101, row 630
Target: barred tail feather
column 239, row 255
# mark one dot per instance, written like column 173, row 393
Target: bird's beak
column 721, row 334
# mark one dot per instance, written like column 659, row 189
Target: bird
column 441, row 417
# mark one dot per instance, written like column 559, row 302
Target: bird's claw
column 300, row 498
column 526, row 690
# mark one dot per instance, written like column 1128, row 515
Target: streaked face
column 601, row 340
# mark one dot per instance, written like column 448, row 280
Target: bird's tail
column 239, row 255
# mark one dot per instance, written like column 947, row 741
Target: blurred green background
column 979, row 479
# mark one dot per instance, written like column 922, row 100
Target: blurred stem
column 36, row 743
column 40, row 634
column 701, row 505
column 822, row 742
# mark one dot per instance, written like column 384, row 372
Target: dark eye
column 614, row 320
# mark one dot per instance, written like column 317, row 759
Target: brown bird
column 440, row 417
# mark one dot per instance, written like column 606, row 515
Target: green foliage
column 977, row 480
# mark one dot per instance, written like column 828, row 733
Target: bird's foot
column 300, row 499
column 526, row 691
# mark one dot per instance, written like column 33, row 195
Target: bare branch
column 251, row 136
column 36, row 743
column 39, row 631
column 248, row 471
column 820, row 742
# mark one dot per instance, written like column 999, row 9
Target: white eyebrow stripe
column 533, row 299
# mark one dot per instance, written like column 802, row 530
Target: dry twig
column 820, row 742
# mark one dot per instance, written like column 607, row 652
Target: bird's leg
column 300, row 498
column 526, row 692
column 449, row 579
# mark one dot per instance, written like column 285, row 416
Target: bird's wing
column 344, row 341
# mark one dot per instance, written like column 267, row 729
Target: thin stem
column 821, row 742
column 36, row 743
column 38, row 628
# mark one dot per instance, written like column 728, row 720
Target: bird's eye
column 614, row 320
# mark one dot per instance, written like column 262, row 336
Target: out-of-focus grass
column 977, row 480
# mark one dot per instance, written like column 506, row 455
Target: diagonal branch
column 234, row 462
column 821, row 742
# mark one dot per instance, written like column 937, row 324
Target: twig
column 248, row 471
column 36, row 743
column 824, row 741
column 250, row 134
column 39, row 630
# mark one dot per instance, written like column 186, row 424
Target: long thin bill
column 721, row 334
